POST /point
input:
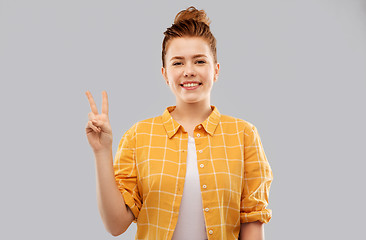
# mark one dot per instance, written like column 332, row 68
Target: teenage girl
column 191, row 173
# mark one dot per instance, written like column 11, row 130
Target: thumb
column 97, row 123
column 102, row 125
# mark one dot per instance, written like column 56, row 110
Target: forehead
column 187, row 46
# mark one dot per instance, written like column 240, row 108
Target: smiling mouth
column 198, row 84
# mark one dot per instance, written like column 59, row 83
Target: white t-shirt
column 191, row 222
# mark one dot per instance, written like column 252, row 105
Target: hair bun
column 192, row 13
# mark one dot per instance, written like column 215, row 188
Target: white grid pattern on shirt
column 218, row 127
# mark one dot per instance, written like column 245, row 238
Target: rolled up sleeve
column 125, row 172
column 257, row 180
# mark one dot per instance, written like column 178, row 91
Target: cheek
column 173, row 76
column 207, row 71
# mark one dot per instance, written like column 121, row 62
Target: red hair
column 190, row 23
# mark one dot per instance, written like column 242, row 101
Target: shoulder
column 145, row 125
column 239, row 123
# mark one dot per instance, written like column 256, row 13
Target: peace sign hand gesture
column 98, row 129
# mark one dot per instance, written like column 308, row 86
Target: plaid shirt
column 235, row 176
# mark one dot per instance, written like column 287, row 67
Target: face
column 189, row 69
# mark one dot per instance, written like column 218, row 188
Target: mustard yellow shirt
column 235, row 176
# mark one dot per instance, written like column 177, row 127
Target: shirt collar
column 171, row 126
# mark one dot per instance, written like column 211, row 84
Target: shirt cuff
column 263, row 216
column 129, row 201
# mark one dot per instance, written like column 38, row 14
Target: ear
column 217, row 70
column 163, row 72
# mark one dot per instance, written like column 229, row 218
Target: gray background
column 295, row 69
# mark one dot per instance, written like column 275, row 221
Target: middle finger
column 93, row 106
column 91, row 116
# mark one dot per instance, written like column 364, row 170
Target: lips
column 186, row 82
column 190, row 87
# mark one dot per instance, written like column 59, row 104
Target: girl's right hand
column 98, row 129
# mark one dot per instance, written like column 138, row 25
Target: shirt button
column 202, row 165
column 204, row 186
column 199, row 126
column 198, row 135
column 200, row 151
column 210, row 232
column 207, row 209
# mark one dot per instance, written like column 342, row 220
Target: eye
column 201, row 61
column 177, row 63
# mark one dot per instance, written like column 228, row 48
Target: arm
column 125, row 173
column 256, row 184
column 115, row 214
column 112, row 208
column 251, row 231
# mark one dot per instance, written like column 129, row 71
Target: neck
column 192, row 112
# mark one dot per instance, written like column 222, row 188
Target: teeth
column 190, row 84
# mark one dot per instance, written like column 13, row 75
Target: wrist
column 103, row 152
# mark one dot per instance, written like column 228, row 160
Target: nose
column 189, row 71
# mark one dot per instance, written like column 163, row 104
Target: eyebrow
column 194, row 56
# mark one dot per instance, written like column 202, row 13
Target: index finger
column 92, row 103
column 105, row 103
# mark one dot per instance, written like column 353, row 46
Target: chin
column 190, row 101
